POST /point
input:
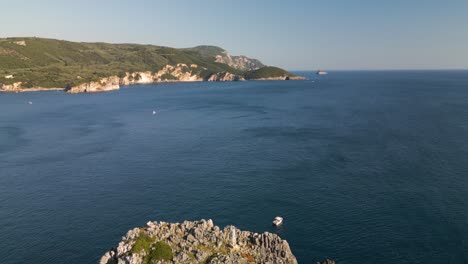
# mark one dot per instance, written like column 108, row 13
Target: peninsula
column 36, row 64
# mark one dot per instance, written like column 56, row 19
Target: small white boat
column 278, row 221
column 30, row 102
column 322, row 72
column 154, row 112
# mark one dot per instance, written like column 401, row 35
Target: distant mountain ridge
column 28, row 64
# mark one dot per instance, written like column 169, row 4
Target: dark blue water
column 365, row 167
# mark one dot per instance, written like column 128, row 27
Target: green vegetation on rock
column 160, row 251
column 168, row 76
column 153, row 251
column 50, row 63
column 205, row 51
column 142, row 243
column 267, row 72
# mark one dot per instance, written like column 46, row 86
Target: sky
column 293, row 34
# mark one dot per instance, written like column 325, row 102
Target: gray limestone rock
column 202, row 242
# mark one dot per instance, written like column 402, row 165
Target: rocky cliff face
column 106, row 84
column 197, row 242
column 170, row 73
column 242, row 63
column 180, row 73
column 17, row 87
column 225, row 77
column 10, row 87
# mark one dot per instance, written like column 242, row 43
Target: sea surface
column 365, row 167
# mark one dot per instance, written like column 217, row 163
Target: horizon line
column 389, row 69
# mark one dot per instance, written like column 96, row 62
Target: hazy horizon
column 297, row 35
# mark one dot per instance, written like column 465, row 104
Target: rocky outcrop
column 242, row 63
column 198, row 242
column 11, row 87
column 225, row 77
column 106, row 84
column 179, row 73
column 18, row 88
column 20, row 42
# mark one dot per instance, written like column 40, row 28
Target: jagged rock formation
column 242, row 63
column 180, row 73
column 11, row 87
column 225, row 77
column 17, row 87
column 197, row 242
column 106, row 84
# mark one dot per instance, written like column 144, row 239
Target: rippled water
column 365, row 167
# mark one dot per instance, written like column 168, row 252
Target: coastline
column 282, row 78
column 34, row 89
column 102, row 67
column 114, row 83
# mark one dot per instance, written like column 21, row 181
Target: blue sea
column 364, row 166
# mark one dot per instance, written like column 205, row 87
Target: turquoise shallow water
column 365, row 167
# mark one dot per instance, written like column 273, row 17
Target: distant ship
column 322, row 72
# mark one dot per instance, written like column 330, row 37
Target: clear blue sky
column 294, row 34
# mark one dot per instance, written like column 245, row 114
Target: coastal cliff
column 239, row 62
column 38, row 64
column 225, row 77
column 179, row 73
column 17, row 87
column 197, row 242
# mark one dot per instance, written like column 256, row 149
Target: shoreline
column 32, row 90
column 118, row 87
